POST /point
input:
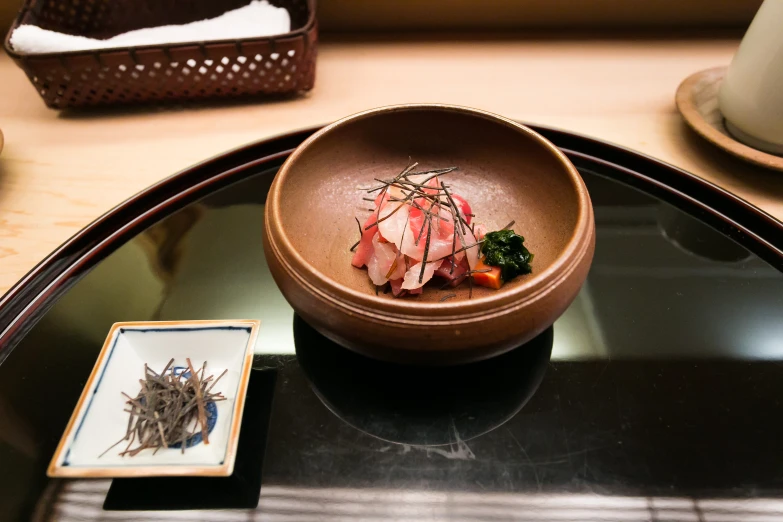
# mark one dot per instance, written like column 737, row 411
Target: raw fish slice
column 409, row 246
column 474, row 252
column 399, row 268
column 456, row 275
column 392, row 227
column 444, row 226
column 396, row 287
column 464, row 208
column 441, row 237
column 397, row 290
column 440, row 246
column 433, row 183
column 480, row 231
column 381, row 260
column 454, row 228
column 411, row 279
column 389, row 248
column 415, row 223
column 365, row 249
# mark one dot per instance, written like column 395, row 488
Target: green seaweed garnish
column 506, row 250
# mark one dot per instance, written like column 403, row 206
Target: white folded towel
column 259, row 18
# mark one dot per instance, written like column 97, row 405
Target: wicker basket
column 268, row 65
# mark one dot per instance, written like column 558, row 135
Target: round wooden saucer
column 697, row 101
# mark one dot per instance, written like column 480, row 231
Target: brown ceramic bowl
column 506, row 172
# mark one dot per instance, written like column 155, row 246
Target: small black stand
column 241, row 490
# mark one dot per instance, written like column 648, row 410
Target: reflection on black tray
column 694, row 237
column 421, row 405
column 240, row 490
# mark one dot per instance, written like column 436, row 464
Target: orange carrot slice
column 489, row 279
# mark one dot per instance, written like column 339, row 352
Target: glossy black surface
column 240, row 490
column 426, row 406
column 661, row 400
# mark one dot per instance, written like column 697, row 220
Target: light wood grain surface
column 58, row 172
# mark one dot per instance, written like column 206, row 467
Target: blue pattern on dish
column 97, row 385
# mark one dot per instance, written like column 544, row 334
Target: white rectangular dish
column 99, row 419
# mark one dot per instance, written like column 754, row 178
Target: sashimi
column 420, row 229
column 411, row 279
column 438, row 228
column 456, row 274
column 398, row 268
column 473, row 250
column 380, row 262
column 364, row 250
column 394, row 217
column 396, row 287
column 480, row 231
column 464, row 208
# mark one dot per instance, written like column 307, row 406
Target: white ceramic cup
column 751, row 96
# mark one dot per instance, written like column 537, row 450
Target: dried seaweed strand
column 361, row 232
column 160, row 429
column 453, row 206
column 383, row 193
column 202, row 414
column 216, row 380
column 455, row 216
column 437, row 199
column 166, row 407
column 423, row 224
column 393, row 267
column 434, row 172
column 423, row 184
column 426, row 250
column 453, row 250
column 406, row 175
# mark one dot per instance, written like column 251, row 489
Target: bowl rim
column 405, row 310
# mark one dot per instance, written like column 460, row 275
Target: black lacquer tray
column 657, row 396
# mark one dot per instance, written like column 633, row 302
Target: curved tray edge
column 37, row 291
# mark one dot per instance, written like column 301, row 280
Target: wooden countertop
column 58, row 171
